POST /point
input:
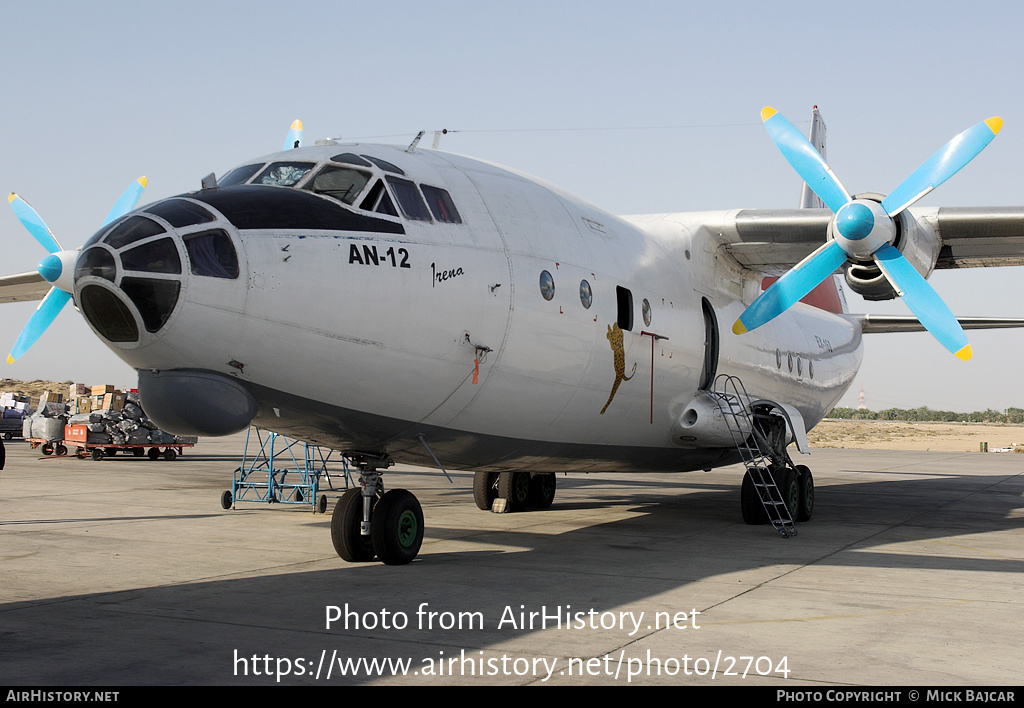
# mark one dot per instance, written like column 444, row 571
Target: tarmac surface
column 127, row 571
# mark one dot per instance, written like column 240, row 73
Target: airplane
column 407, row 305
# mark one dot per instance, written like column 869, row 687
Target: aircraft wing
column 23, row 286
column 773, row 241
column 875, row 324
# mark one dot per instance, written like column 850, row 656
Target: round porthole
column 547, row 285
column 791, row 362
column 799, row 366
column 646, row 309
column 586, row 294
column 778, row 358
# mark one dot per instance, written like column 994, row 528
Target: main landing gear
column 368, row 522
column 513, row 491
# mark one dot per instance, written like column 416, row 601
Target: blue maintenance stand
column 279, row 470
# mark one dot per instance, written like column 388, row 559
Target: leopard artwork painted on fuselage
column 615, row 339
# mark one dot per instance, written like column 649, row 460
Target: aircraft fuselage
column 512, row 326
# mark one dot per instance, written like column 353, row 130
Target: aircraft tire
column 514, row 488
column 542, row 490
column 806, row 484
column 790, row 490
column 750, row 503
column 484, row 489
column 396, row 527
column 349, row 544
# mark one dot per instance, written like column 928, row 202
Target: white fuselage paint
column 393, row 327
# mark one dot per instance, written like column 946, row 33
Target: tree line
column 925, row 414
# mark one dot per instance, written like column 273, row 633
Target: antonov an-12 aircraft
column 402, row 304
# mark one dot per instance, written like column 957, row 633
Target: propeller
column 57, row 268
column 294, row 137
column 864, row 230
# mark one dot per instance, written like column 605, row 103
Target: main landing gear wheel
column 750, row 502
column 485, row 489
column 542, row 490
column 397, row 527
column 790, row 490
column 349, row 543
column 514, row 488
column 806, row 485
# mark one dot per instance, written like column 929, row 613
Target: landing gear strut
column 368, row 523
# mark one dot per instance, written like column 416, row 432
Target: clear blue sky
column 638, row 107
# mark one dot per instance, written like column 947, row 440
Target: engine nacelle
column 702, row 424
column 916, row 242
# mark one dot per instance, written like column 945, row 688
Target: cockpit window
column 377, row 200
column 350, row 159
column 238, row 175
column 283, row 174
column 409, row 199
column 342, row 183
column 441, row 204
column 179, row 213
column 385, row 165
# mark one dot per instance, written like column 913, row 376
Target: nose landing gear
column 368, row 523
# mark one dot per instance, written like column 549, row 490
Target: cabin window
column 645, row 309
column 283, row 174
column 341, row 183
column 624, row 300
column 441, row 204
column 586, row 294
column 409, row 199
column 547, row 285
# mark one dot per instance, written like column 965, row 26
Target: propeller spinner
column 58, row 267
column 864, row 230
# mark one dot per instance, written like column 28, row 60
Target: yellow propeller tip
column 965, row 353
column 738, row 328
column 11, row 197
column 142, row 181
column 10, row 359
column 297, row 124
column 995, row 124
column 767, row 112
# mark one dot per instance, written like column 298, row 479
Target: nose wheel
column 368, row 523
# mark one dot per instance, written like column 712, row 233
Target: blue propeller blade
column 47, row 311
column 34, row 223
column 294, row 137
column 923, row 301
column 127, row 201
column 805, row 159
column 792, row 287
column 942, row 165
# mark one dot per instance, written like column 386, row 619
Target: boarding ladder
column 755, row 450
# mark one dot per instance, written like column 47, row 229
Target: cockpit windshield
column 283, row 174
column 342, row 183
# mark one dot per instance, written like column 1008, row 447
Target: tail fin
column 808, row 199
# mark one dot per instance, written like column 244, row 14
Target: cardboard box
column 103, row 390
column 50, row 397
column 76, row 390
column 83, row 404
column 114, row 401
